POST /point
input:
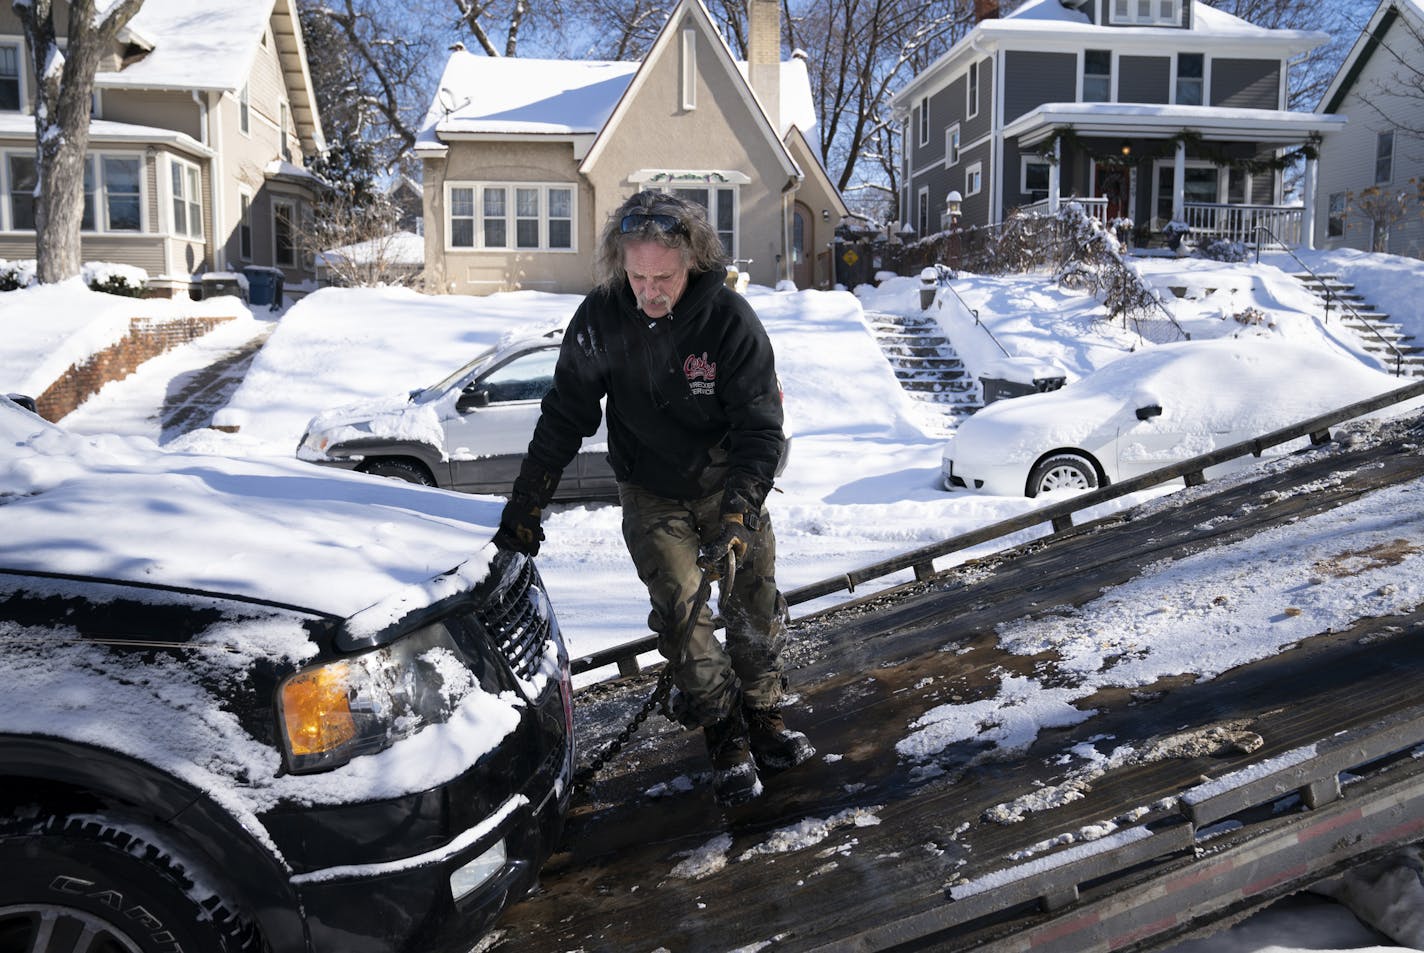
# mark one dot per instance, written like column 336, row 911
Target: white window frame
column 971, row 91
column 689, row 70
column 973, row 179
column 1145, row 12
column 1337, row 210
column 1177, row 78
column 94, row 168
column 951, row 146
column 510, row 216
column 21, row 93
column 1384, row 155
column 1024, row 163
column 190, row 194
column 922, row 211
column 244, row 225
column 7, row 211
column 244, row 109
column 713, row 191
column 284, row 142
column 1160, row 164
column 1083, row 77
column 924, row 120
column 291, row 207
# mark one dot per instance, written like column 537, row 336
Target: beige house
column 202, row 113
column 525, row 159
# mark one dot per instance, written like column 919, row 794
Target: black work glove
column 519, row 528
column 734, row 542
column 519, row 524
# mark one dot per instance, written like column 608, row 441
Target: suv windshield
column 478, row 363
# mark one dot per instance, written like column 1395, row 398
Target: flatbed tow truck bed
column 1263, row 780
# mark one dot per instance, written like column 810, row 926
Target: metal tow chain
column 583, row 778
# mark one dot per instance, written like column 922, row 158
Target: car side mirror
column 1150, row 411
column 472, row 399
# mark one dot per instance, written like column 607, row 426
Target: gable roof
column 1372, row 37
column 211, row 45
column 693, row 12
column 485, row 97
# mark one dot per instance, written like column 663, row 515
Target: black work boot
column 775, row 746
column 734, row 773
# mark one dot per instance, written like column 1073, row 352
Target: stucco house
column 523, row 159
column 1370, row 173
column 1148, row 110
column 202, row 113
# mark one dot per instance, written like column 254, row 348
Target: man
column 695, row 440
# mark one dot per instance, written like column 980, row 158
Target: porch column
column 1179, row 184
column 1054, row 176
column 1307, row 197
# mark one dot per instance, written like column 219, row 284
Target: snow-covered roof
column 107, row 131
column 208, row 45
column 1164, row 121
column 400, row 248
column 495, row 95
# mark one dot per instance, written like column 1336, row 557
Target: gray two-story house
column 1148, row 111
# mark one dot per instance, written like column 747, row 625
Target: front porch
column 1218, row 172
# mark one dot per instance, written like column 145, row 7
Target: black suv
column 263, row 706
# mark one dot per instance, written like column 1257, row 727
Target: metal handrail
column 944, row 274
column 1330, row 296
column 1058, row 515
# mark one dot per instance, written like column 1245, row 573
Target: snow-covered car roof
column 360, row 548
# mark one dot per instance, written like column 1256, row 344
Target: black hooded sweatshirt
column 694, row 406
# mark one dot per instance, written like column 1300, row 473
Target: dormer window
column 1146, row 13
column 9, row 77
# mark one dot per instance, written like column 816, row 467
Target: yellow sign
column 850, row 257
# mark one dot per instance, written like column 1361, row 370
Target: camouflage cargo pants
column 663, row 537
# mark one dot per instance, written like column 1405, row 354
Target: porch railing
column 1244, row 223
column 1096, row 208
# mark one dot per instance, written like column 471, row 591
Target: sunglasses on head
column 637, row 221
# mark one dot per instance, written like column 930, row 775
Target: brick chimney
column 986, row 10
column 764, row 57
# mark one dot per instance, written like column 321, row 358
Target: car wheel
column 87, row 883
column 1063, row 471
column 407, row 470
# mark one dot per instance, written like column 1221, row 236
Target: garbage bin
column 217, row 283
column 1018, row 376
column 261, row 284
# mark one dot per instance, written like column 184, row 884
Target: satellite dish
column 447, row 100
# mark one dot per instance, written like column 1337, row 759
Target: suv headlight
column 331, row 713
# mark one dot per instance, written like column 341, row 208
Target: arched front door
column 803, row 252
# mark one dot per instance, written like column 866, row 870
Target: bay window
column 187, row 198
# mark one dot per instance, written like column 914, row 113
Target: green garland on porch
column 1197, row 147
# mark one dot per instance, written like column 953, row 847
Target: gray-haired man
column 695, row 439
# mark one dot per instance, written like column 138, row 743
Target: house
column 1149, row 110
column 523, row 160
column 1370, row 173
column 202, row 113
column 408, row 199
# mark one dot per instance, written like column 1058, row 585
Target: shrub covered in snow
column 102, row 276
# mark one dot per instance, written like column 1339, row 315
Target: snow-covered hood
column 273, row 529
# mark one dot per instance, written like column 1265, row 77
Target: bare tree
column 859, row 52
column 64, row 90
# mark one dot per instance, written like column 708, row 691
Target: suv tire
column 81, row 882
column 399, row 470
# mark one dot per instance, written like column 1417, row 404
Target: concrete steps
column 927, row 367
column 1378, row 335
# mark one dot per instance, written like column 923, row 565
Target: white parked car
column 1150, row 409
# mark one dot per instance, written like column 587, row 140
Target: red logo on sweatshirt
column 701, row 373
